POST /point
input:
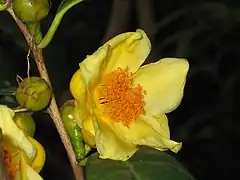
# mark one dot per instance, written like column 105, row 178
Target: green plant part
column 34, row 93
column 30, row 11
column 74, row 131
column 25, row 122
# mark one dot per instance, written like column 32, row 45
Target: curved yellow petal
column 90, row 70
column 17, row 162
column 16, row 135
column 159, row 124
column 80, row 112
column 88, row 125
column 88, row 138
column 88, row 132
column 109, row 144
column 82, row 78
column 27, row 172
column 11, row 158
column 31, row 174
column 40, row 158
column 164, row 83
column 76, row 85
column 128, row 50
column 91, row 67
column 159, row 138
column 78, row 92
column 23, row 166
column 148, row 131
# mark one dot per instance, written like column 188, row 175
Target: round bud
column 30, row 11
column 34, row 93
column 25, row 122
column 72, row 128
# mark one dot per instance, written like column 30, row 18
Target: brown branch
column 53, row 110
column 120, row 17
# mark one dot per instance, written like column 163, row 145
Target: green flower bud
column 34, row 93
column 25, row 122
column 30, row 11
column 72, row 128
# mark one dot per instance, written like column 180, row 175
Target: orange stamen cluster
column 11, row 166
column 122, row 102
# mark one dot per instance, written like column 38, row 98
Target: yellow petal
column 23, row 167
column 31, row 174
column 164, row 83
column 148, row 131
column 18, row 176
column 159, row 124
column 27, row 171
column 88, row 125
column 85, row 78
column 11, row 158
column 16, row 135
column 90, row 70
column 39, row 160
column 92, row 66
column 76, row 85
column 88, row 132
column 82, row 112
column 111, row 145
column 159, row 137
column 88, row 138
column 128, row 50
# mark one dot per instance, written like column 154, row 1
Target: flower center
column 11, row 163
column 122, row 102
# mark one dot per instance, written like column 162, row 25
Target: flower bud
column 73, row 129
column 34, row 93
column 30, row 11
column 25, row 122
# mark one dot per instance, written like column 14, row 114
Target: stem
column 53, row 108
column 63, row 8
column 35, row 31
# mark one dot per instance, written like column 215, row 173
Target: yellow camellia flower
column 23, row 156
column 121, row 105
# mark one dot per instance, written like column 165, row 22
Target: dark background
column 204, row 32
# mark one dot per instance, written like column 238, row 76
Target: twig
column 119, row 19
column 53, row 108
column 56, row 21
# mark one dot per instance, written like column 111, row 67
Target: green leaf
column 146, row 164
column 62, row 9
